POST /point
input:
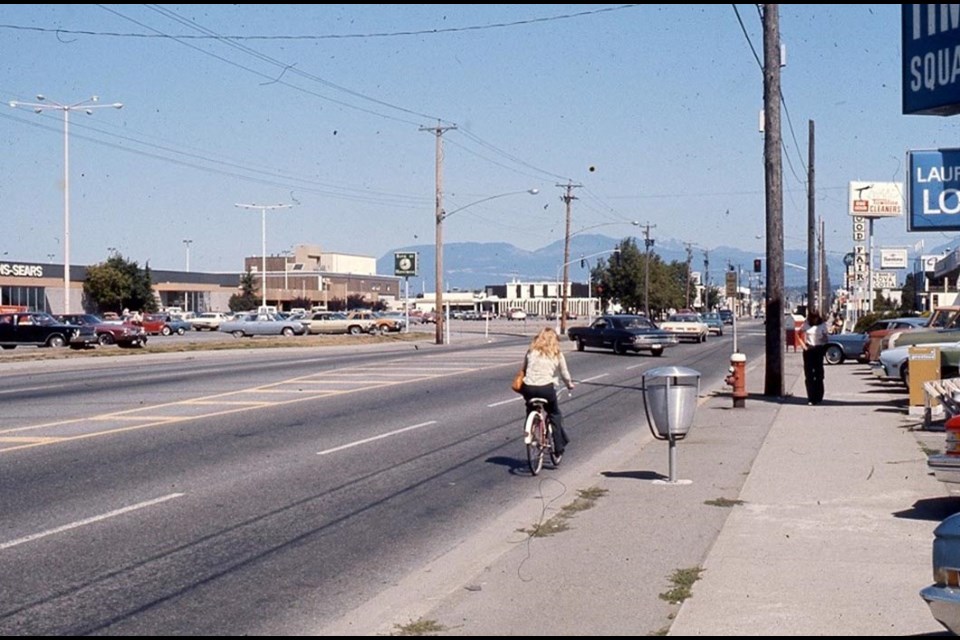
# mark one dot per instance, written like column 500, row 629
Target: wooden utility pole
column 813, row 300
column 773, row 171
column 567, row 198
column 689, row 261
column 438, row 216
column 647, row 244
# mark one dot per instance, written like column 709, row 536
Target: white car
column 210, row 321
column 517, row 314
column 686, row 326
column 894, row 363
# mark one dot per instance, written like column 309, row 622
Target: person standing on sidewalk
column 814, row 332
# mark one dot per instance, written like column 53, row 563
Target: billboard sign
column 929, row 263
column 930, row 35
column 934, row 190
column 876, row 199
column 893, row 258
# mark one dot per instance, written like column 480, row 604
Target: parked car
column 397, row 316
column 374, row 322
column 123, row 334
column 943, row 596
column 686, row 326
column 943, row 320
column 334, row 322
column 880, row 329
column 846, row 346
column 894, row 363
column 262, row 324
column 164, row 324
column 622, row 333
column 516, row 314
column 714, row 322
column 42, row 330
column 210, row 321
column 946, row 466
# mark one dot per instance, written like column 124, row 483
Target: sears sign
column 934, row 190
column 21, row 270
column 931, row 46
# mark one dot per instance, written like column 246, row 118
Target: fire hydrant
column 737, row 379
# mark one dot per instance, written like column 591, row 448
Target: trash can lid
column 671, row 372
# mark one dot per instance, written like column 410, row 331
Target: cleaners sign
column 931, row 58
column 934, row 188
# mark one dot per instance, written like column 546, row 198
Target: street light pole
column 86, row 106
column 263, row 241
column 442, row 215
column 188, row 243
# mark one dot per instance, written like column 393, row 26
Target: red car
column 122, row 334
column 164, row 324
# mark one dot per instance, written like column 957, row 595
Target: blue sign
column 931, row 58
column 934, row 190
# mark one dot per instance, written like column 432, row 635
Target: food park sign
column 930, row 36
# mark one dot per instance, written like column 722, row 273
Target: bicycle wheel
column 537, row 431
column 555, row 457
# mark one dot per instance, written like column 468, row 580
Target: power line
column 389, row 34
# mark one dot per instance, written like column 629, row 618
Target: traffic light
column 756, row 265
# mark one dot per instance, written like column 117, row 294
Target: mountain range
column 471, row 266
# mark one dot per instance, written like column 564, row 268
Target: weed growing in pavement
column 723, row 502
column 682, row 580
column 418, row 627
column 927, row 450
column 586, row 498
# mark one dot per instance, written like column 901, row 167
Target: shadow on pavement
column 635, row 475
column 933, row 509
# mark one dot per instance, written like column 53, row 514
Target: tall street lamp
column 440, row 217
column 188, row 243
column 87, row 106
column 263, row 241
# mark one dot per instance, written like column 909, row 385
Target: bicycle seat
column 538, row 401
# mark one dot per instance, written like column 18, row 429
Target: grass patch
column 586, row 498
column 723, row 502
column 419, row 627
column 683, row 580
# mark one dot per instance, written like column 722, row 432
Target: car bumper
column 880, row 370
column 947, row 470
column 655, row 343
column 944, row 603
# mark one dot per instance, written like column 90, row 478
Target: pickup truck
column 622, row 333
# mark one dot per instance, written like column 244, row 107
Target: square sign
column 934, row 190
column 876, row 199
column 406, row 263
column 931, row 85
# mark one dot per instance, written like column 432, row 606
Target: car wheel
column 287, row 331
column 237, row 334
column 181, row 331
column 166, row 330
column 833, row 354
column 656, row 353
column 618, row 348
column 580, row 344
column 354, row 330
column 56, row 341
column 905, row 374
column 105, row 339
column 9, row 346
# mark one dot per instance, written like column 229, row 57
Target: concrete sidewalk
column 799, row 520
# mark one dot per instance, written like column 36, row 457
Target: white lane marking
column 602, row 375
column 383, row 435
column 497, row 404
column 80, row 523
column 634, row 366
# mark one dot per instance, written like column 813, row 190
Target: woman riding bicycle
column 544, row 368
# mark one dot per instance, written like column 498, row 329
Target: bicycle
column 538, row 436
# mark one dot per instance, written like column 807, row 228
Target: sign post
column 406, row 264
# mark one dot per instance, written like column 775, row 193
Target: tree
column 119, row 284
column 624, row 280
column 247, row 299
column 908, row 295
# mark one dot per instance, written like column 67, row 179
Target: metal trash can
column 670, row 400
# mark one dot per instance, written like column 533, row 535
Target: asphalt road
column 267, row 492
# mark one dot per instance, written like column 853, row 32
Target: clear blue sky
column 654, row 110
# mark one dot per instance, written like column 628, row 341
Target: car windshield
column 637, row 323
column 686, row 317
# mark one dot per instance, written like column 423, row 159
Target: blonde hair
column 547, row 343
